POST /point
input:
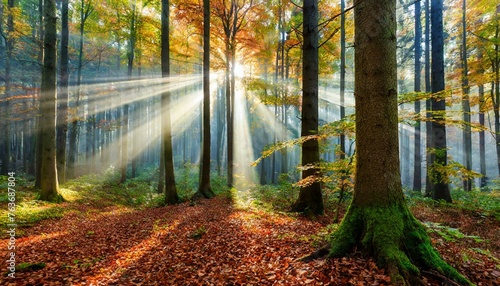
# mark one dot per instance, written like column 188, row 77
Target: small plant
column 198, row 233
column 28, row 266
column 449, row 233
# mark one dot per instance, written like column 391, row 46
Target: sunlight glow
column 239, row 70
column 245, row 176
column 182, row 115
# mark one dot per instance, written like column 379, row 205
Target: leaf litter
column 210, row 243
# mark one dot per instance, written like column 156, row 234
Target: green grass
column 485, row 201
column 97, row 192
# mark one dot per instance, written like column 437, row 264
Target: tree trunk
column 124, row 143
column 37, row 146
column 482, row 149
column 496, row 92
column 229, row 123
column 378, row 219
column 9, row 45
column 466, row 135
column 429, row 186
column 205, row 189
column 417, row 169
column 62, row 98
column 342, row 74
column 441, row 189
column 49, row 186
column 171, row 196
column 310, row 198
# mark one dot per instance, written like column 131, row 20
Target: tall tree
column 482, row 139
column 310, row 198
column 86, row 9
column 342, row 74
column 495, row 88
column 466, row 135
column 428, row 102
column 62, row 96
column 417, row 171
column 49, row 186
column 232, row 15
column 10, row 42
column 441, row 189
column 171, row 196
column 378, row 219
column 205, row 189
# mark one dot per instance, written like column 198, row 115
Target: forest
column 250, row 142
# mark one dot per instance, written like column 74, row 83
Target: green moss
column 395, row 239
column 345, row 238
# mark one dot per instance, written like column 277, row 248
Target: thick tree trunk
column 49, row 186
column 378, row 220
column 310, row 198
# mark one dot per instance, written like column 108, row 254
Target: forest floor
column 214, row 242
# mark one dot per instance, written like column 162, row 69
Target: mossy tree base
column 397, row 241
column 203, row 193
column 53, row 197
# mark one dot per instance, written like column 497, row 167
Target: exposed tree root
column 320, row 253
column 397, row 241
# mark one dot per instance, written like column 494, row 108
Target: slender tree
column 171, row 196
column 495, row 87
column 232, row 16
column 378, row 219
column 466, row 135
column 441, row 189
column 49, row 186
column 342, row 74
column 310, row 198
column 417, row 171
column 10, row 43
column 482, row 139
column 428, row 102
column 62, row 96
column 86, row 9
column 205, row 189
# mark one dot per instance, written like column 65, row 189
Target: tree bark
column 171, row 196
column 342, row 74
column 466, row 135
column 417, row 170
column 441, row 189
column 49, row 186
column 378, row 220
column 428, row 103
column 205, row 189
column 310, row 197
column 9, row 46
column 62, row 97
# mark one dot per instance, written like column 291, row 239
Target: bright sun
column 239, row 70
